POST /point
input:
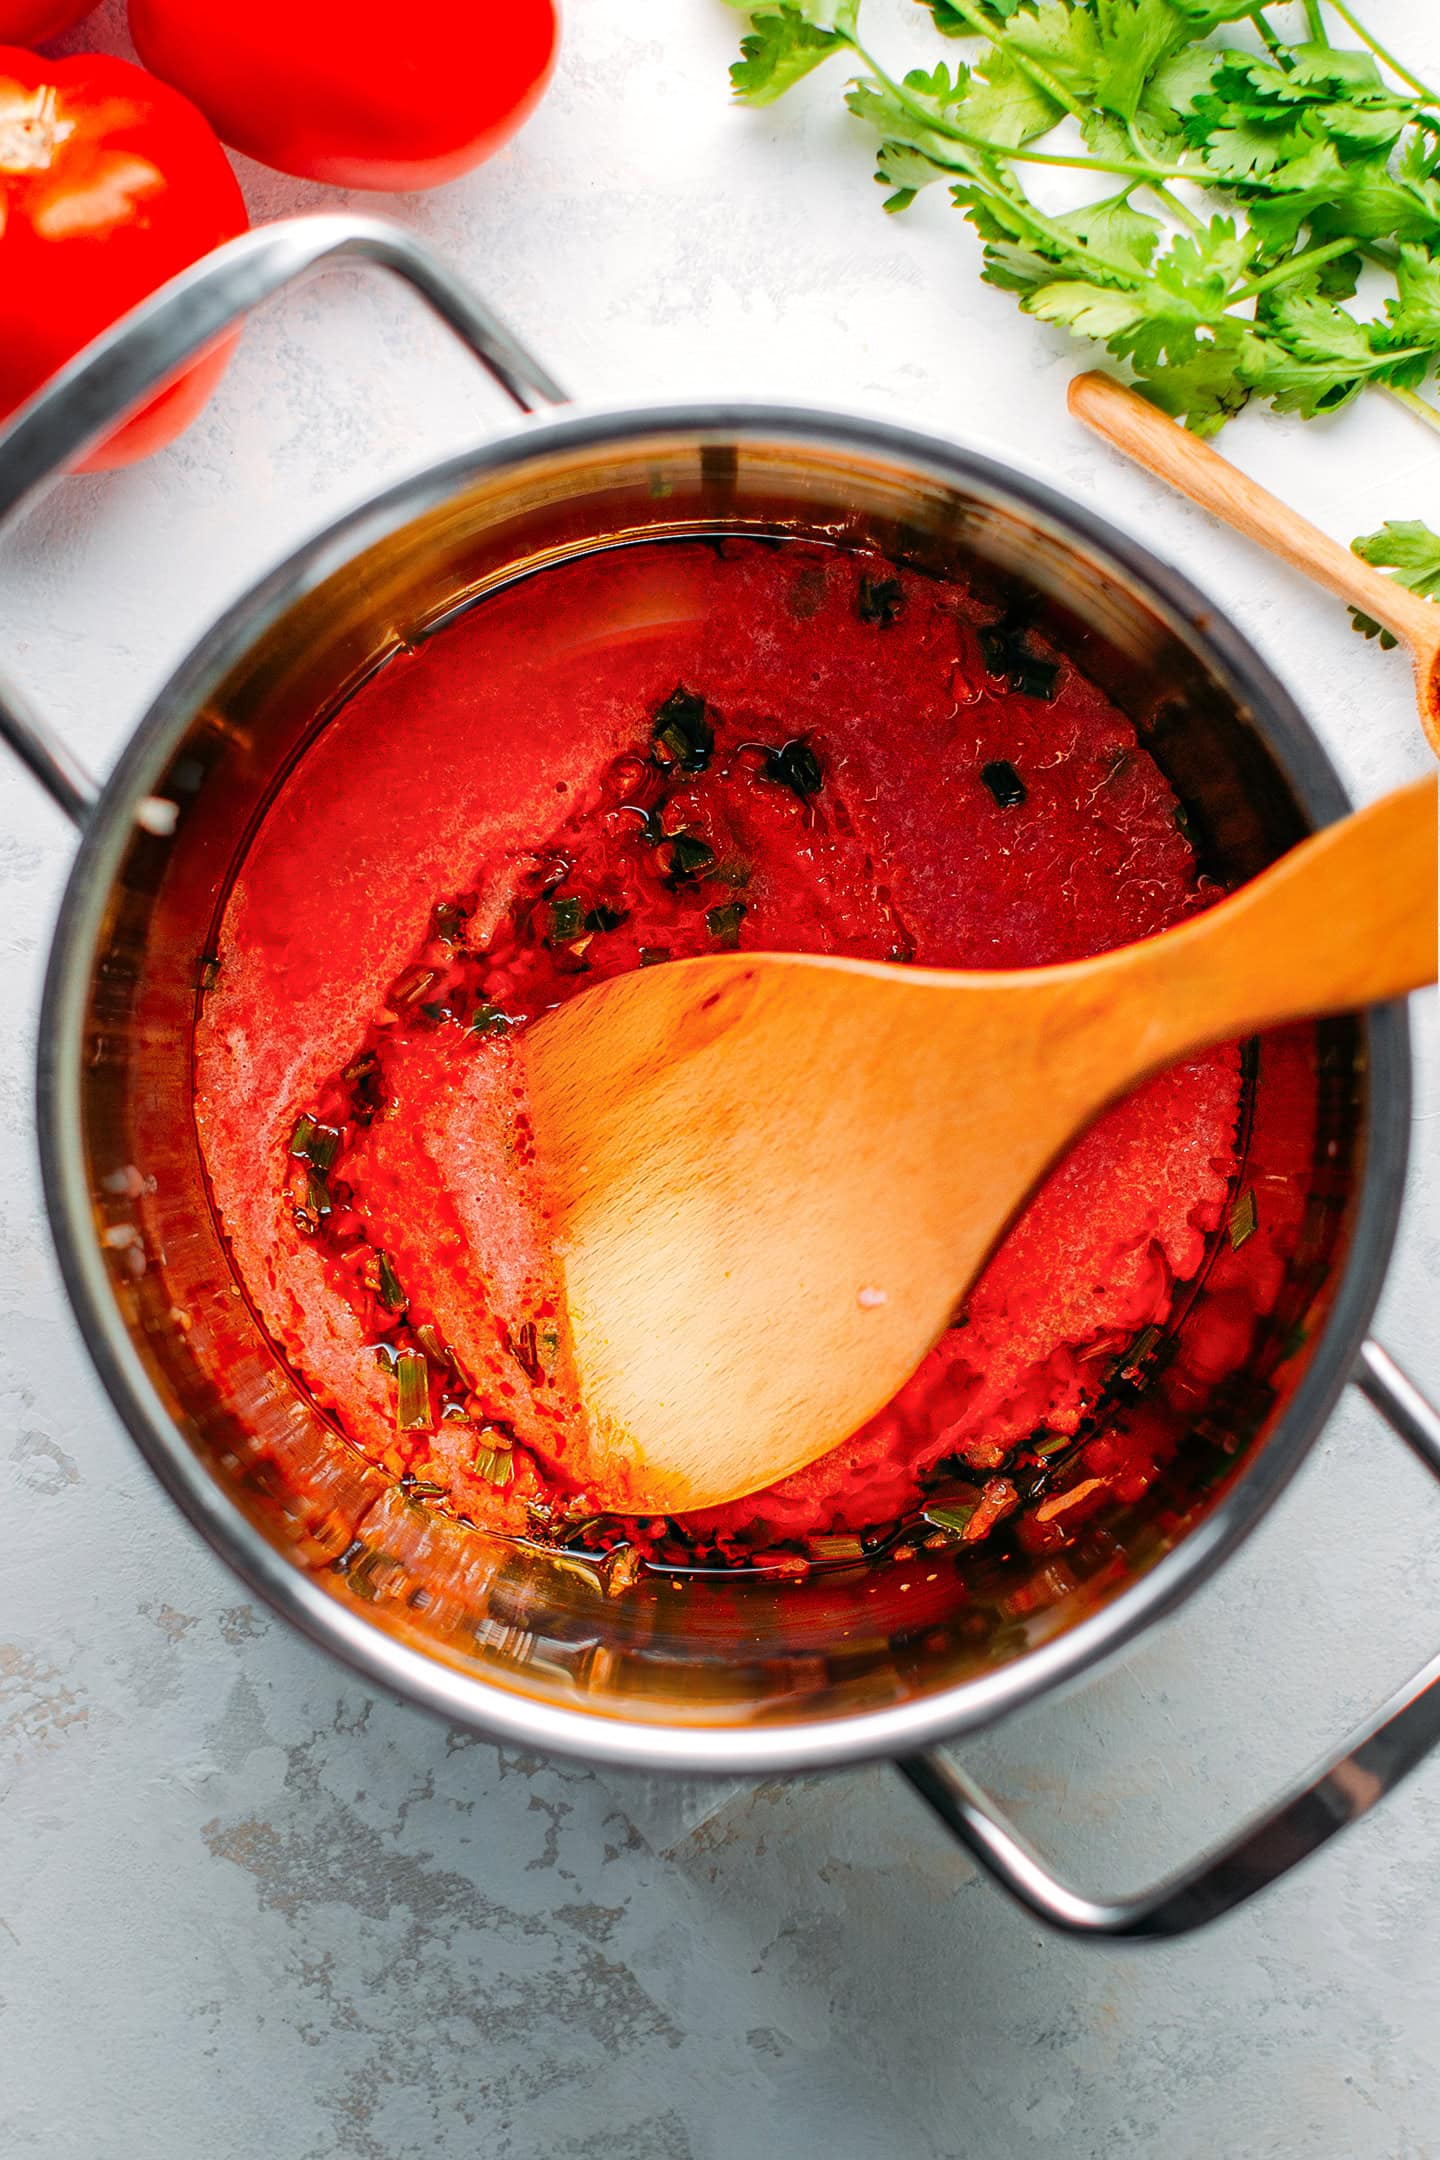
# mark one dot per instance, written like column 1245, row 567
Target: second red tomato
column 357, row 93
column 30, row 22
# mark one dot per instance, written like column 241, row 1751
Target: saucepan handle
column 1370, row 1764
column 120, row 370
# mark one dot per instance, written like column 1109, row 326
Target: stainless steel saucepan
column 736, row 1674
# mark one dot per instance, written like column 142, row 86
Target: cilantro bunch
column 1241, row 189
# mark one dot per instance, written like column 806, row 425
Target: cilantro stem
column 1126, row 168
column 1257, row 16
column 1419, row 406
column 1292, row 267
column 1156, row 176
column 937, row 123
column 1173, row 204
column 1390, row 359
column 1412, row 82
column 1314, row 23
column 989, row 173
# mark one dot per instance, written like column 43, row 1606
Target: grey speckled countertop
column 248, row 1909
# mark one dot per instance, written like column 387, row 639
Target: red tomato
column 27, row 22
column 359, row 93
column 110, row 183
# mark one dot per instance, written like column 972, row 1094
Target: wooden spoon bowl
column 774, row 1176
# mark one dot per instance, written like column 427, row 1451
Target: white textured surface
column 247, row 1909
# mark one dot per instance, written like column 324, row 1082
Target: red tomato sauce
column 637, row 756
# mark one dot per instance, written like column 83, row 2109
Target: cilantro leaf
column 1414, row 315
column 1007, row 106
column 1177, row 85
column 785, row 42
column 1321, row 355
column 1096, row 311
column 1369, row 628
column 1059, row 38
column 939, row 86
column 906, row 128
column 952, row 24
column 1258, row 119
column 1365, row 199
column 1118, row 230
column 1204, row 391
column 1410, row 549
column 1133, row 37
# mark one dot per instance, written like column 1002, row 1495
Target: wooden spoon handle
column 1346, row 919
column 1193, row 469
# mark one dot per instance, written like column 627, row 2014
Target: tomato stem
column 31, row 131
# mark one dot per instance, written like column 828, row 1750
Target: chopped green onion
column 732, row 872
column 723, row 923
column 367, row 1086
column 689, row 855
column 566, row 919
column 494, row 1459
column 842, row 1545
column 447, row 922
column 317, row 1194
column 1185, row 825
column 652, row 832
column 305, row 1128
column 1051, row 1444
column 654, row 955
column 951, row 1506
column 795, row 766
column 324, row 1147
column 524, row 1346
column 1007, row 653
column 879, row 600
column 207, row 970
column 430, row 1342
column 392, row 1296
column 621, row 1569
column 1127, row 1366
column 408, row 988
column 1004, row 783
column 602, row 918
column 1244, row 1219
column 488, row 1019
column 412, row 1400
column 953, row 1519
column 683, row 731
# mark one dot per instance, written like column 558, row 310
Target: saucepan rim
column 293, row 1591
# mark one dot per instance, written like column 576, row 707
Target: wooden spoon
column 772, row 1177
column 1192, row 468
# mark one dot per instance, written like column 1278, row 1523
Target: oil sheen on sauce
column 633, row 757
